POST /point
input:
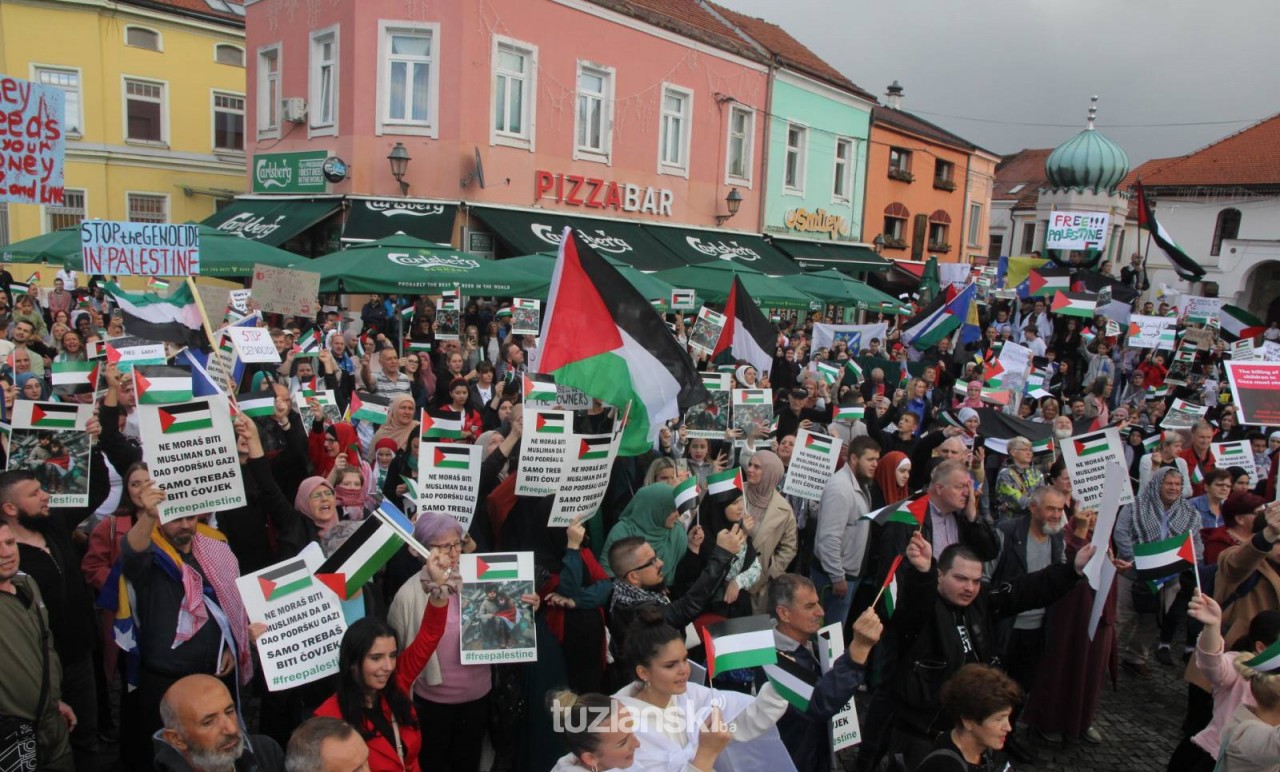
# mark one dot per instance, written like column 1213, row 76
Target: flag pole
column 208, row 330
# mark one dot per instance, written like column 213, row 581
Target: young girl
column 384, row 452
column 349, row 486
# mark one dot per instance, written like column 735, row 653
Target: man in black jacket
column 946, row 619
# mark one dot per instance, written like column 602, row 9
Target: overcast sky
column 1039, row 61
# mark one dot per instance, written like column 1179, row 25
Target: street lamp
column 733, row 201
column 878, row 243
column 399, row 158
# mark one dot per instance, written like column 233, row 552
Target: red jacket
column 382, row 750
column 104, row 548
column 1189, row 455
column 1153, row 374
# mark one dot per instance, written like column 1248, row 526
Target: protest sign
column 537, row 391
column 710, row 419
column 1199, row 310
column 35, row 144
column 253, row 344
column 1229, row 454
column 1255, row 388
column 753, row 411
column 845, row 731
column 49, row 440
column 449, row 479
column 1270, row 351
column 286, row 290
column 1077, row 230
column 584, row 477
column 127, row 351
column 526, row 316
column 238, row 300
column 855, row 336
column 304, row 620
column 495, row 625
column 813, row 461
column 140, row 248
column 223, row 365
column 543, row 446
column 324, row 398
column 1116, row 480
column 1243, row 350
column 706, row 331
column 216, row 301
column 683, row 300
column 1202, row 337
column 1144, row 331
column 192, row 452
column 1179, row 418
column 1088, row 457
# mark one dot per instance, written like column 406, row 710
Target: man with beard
column 843, row 532
column 637, row 572
column 202, row 732
column 49, row 558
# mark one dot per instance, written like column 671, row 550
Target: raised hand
column 920, row 553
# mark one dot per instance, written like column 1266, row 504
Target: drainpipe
column 764, row 150
column 963, row 235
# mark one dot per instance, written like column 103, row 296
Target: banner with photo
column 710, row 420
column 49, row 440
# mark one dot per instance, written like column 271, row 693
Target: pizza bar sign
column 597, row 193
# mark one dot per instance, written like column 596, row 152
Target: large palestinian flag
column 747, row 334
column 1183, row 265
column 602, row 337
column 175, row 319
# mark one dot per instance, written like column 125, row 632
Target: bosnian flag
column 1082, row 304
column 747, row 334
column 359, row 558
column 687, row 495
column 1158, row 559
column 602, row 337
column 441, row 426
column 726, row 483
column 739, row 643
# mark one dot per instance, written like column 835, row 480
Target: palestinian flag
column 174, row 319
column 910, row 512
column 1267, row 660
column 890, row 587
column 285, row 579
column 411, row 487
column 1042, row 446
column 829, row 373
column 1239, row 323
column 450, row 300
column 504, row 312
column 257, row 404
column 1158, row 559
column 820, row 443
column 525, row 304
column 747, row 334
column 187, row 417
column 594, row 448
column 162, row 384
column 539, row 388
column 406, row 314
column 441, row 426
column 81, row 376
column 157, row 284
column 739, row 643
column 497, row 567
column 1197, row 476
column 1157, row 393
column 354, row 563
column 418, row 347
column 368, row 407
column 310, row 344
column 1082, row 304
column 1151, row 443
column 1168, row 338
column 1048, row 279
column 20, row 288
column 308, row 388
column 850, row 412
column 752, row 397
column 930, row 325
column 549, row 423
column 451, row 457
column 683, row 298
column 607, row 341
column 726, row 483
column 792, row 682
column 53, row 415
column 993, row 374
column 853, row 369
column 393, row 517
column 129, row 352
column 1088, row 446
column 687, row 495
column 1186, row 268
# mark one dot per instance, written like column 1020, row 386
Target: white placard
column 706, row 330
column 856, row 336
column 1077, row 230
column 140, row 248
column 1144, row 331
column 286, row 290
column 1243, row 350
column 1199, row 310
column 813, row 461
column 584, row 477
column 1117, row 481
column 495, row 626
column 48, row 439
column 845, row 731
column 544, row 443
column 1226, row 454
column 191, row 449
column 1087, row 457
column 449, row 480
column 253, row 344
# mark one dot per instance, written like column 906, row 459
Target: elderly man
column 387, row 380
column 1017, row 479
column 1198, row 455
column 203, row 732
column 323, row 744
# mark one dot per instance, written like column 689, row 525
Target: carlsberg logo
column 272, row 175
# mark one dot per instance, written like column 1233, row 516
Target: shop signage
column 599, row 241
column 817, row 221
column 290, row 172
column 597, row 193
column 723, row 250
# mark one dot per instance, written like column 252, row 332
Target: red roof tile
column 199, row 8
column 790, row 52
column 684, row 17
column 1251, row 156
column 1025, row 168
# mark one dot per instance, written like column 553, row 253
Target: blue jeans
column 834, row 609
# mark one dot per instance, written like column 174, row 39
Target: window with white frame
column 323, row 77
column 141, row 37
column 741, row 134
column 975, row 225
column 269, row 90
column 595, row 97
column 408, row 86
column 674, row 130
column 842, row 176
column 514, row 65
column 146, row 207
column 794, row 162
column 69, row 81
column 70, row 213
column 225, row 53
column 228, row 122
column 144, row 110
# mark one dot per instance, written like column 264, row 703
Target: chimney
column 893, row 96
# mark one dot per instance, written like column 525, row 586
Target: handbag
column 19, row 740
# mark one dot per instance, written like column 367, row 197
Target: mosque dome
column 1087, row 161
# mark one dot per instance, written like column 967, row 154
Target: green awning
column 835, row 287
column 271, row 221
column 714, row 281
column 704, row 246
column 542, row 264
column 369, row 219
column 830, row 254
column 526, row 232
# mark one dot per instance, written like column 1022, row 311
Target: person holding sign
column 375, row 675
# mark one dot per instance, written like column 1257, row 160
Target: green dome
column 1087, row 161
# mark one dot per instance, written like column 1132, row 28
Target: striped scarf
column 1149, row 513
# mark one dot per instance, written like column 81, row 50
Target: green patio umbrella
column 222, row 255
column 544, row 263
column 404, row 265
column 713, row 281
column 835, row 287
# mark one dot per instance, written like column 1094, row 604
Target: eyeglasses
column 455, row 546
column 653, row 561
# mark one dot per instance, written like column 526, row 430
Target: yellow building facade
column 155, row 106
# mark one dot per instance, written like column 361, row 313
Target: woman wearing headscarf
column 652, row 516
column 400, row 425
column 31, row 386
column 746, row 377
column 715, row 514
column 892, row 474
column 328, row 444
column 774, row 536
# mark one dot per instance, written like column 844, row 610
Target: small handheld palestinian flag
column 889, row 590
column 445, row 426
column 77, row 375
column 739, row 643
column 687, row 495
column 1158, row 559
column 794, row 683
column 910, row 512
column 308, row 388
column 418, row 346
column 726, row 484
column 854, row 370
column 156, row 284
column 539, row 388
column 850, row 412
column 410, row 487
column 1154, row 393
column 354, row 563
column 1042, row 446
column 828, row 373
column 310, row 345
column 1197, row 476
column 993, row 374
column 1082, row 304
column 1267, row 660
column 365, row 406
column 257, row 404
column 19, row 288
column 162, row 384
column 1149, row 444
column 406, row 314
